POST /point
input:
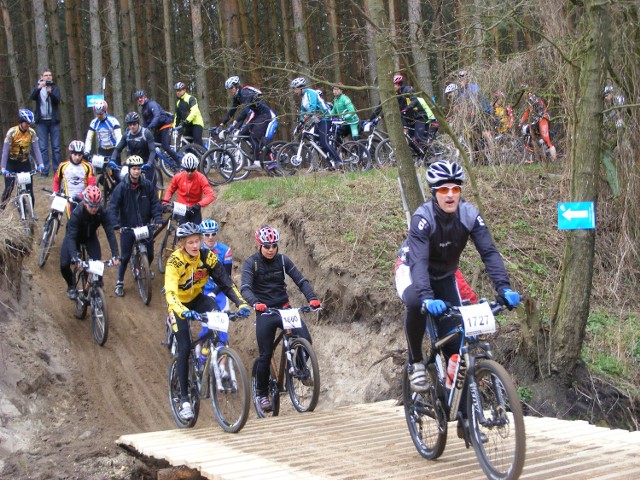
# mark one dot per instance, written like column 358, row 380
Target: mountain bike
column 106, row 177
column 215, row 371
column 504, row 148
column 423, row 155
column 168, row 244
column 139, row 262
column 534, row 147
column 493, row 420
column 52, row 224
column 24, row 201
column 87, row 276
column 296, row 372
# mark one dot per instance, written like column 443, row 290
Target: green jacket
column 342, row 106
column 187, row 111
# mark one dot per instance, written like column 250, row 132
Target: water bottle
column 451, row 369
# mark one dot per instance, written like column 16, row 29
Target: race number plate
column 290, row 318
column 218, row 321
column 97, row 161
column 478, row 319
column 96, row 267
column 24, row 178
column 179, row 209
column 58, row 204
column 141, row 233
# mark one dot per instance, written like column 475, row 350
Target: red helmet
column 92, row 195
column 398, row 78
column 267, row 234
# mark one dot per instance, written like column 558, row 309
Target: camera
column 48, row 83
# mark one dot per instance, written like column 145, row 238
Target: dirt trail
column 75, row 398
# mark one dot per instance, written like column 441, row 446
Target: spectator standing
column 46, row 94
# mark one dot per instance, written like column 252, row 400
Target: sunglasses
column 269, row 246
column 445, row 190
column 92, row 205
column 208, row 235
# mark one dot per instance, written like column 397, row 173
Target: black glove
column 195, row 208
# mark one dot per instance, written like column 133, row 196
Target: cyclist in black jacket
column 158, row 120
column 425, row 273
column 133, row 203
column 263, row 286
column 139, row 141
column 262, row 123
column 82, row 228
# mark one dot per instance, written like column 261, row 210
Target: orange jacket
column 190, row 190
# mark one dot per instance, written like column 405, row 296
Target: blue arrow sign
column 576, row 215
column 91, row 99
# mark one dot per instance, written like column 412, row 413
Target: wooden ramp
column 372, row 441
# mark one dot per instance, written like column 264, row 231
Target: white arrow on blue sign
column 91, row 99
column 576, row 215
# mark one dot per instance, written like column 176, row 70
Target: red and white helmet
column 92, row 195
column 100, row 107
column 398, row 78
column 267, row 234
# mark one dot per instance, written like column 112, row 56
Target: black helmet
column 179, row 86
column 140, row 94
column 132, row 117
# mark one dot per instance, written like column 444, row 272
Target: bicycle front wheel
column 295, row 158
column 354, row 156
column 174, row 394
column 219, row 166
column 273, row 393
column 425, row 415
column 80, row 280
column 303, row 378
column 231, row 397
column 49, row 233
column 142, row 276
column 99, row 316
column 496, row 422
column 165, row 250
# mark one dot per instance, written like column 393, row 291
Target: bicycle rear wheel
column 80, row 280
column 354, row 156
column 99, row 316
column 496, row 422
column 142, row 276
column 49, row 233
column 219, row 166
column 384, row 155
column 231, row 398
column 273, row 393
column 304, row 383
column 174, row 394
column 425, row 415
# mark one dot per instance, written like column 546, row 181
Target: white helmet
column 299, row 82
column 452, row 87
column 232, row 82
column 443, row 171
column 190, row 162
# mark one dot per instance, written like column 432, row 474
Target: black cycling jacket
column 252, row 99
column 436, row 241
column 263, row 280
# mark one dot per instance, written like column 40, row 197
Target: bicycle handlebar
column 202, row 317
column 303, row 309
column 453, row 311
column 60, row 194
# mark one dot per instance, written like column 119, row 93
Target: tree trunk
column 231, row 38
column 385, row 54
column 198, row 55
column 11, row 53
column 419, row 47
column 571, row 307
column 393, row 34
column 300, row 33
column 96, row 47
column 135, row 57
column 76, row 81
column 374, row 93
column 286, row 31
column 334, row 45
column 168, row 54
column 117, row 106
column 42, row 46
column 127, row 64
column 62, row 77
column 151, row 40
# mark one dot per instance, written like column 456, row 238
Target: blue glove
column 113, row 165
column 146, row 167
column 434, row 307
column 244, row 310
column 5, row 172
column 191, row 315
column 40, row 168
column 511, row 298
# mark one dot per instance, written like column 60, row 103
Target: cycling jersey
column 504, row 116
column 251, row 98
column 154, row 116
column 187, row 111
column 140, row 143
column 223, row 252
column 343, row 107
column 18, row 145
column 313, row 105
column 185, row 278
column 107, row 132
column 191, row 190
column 72, row 179
column 437, row 239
